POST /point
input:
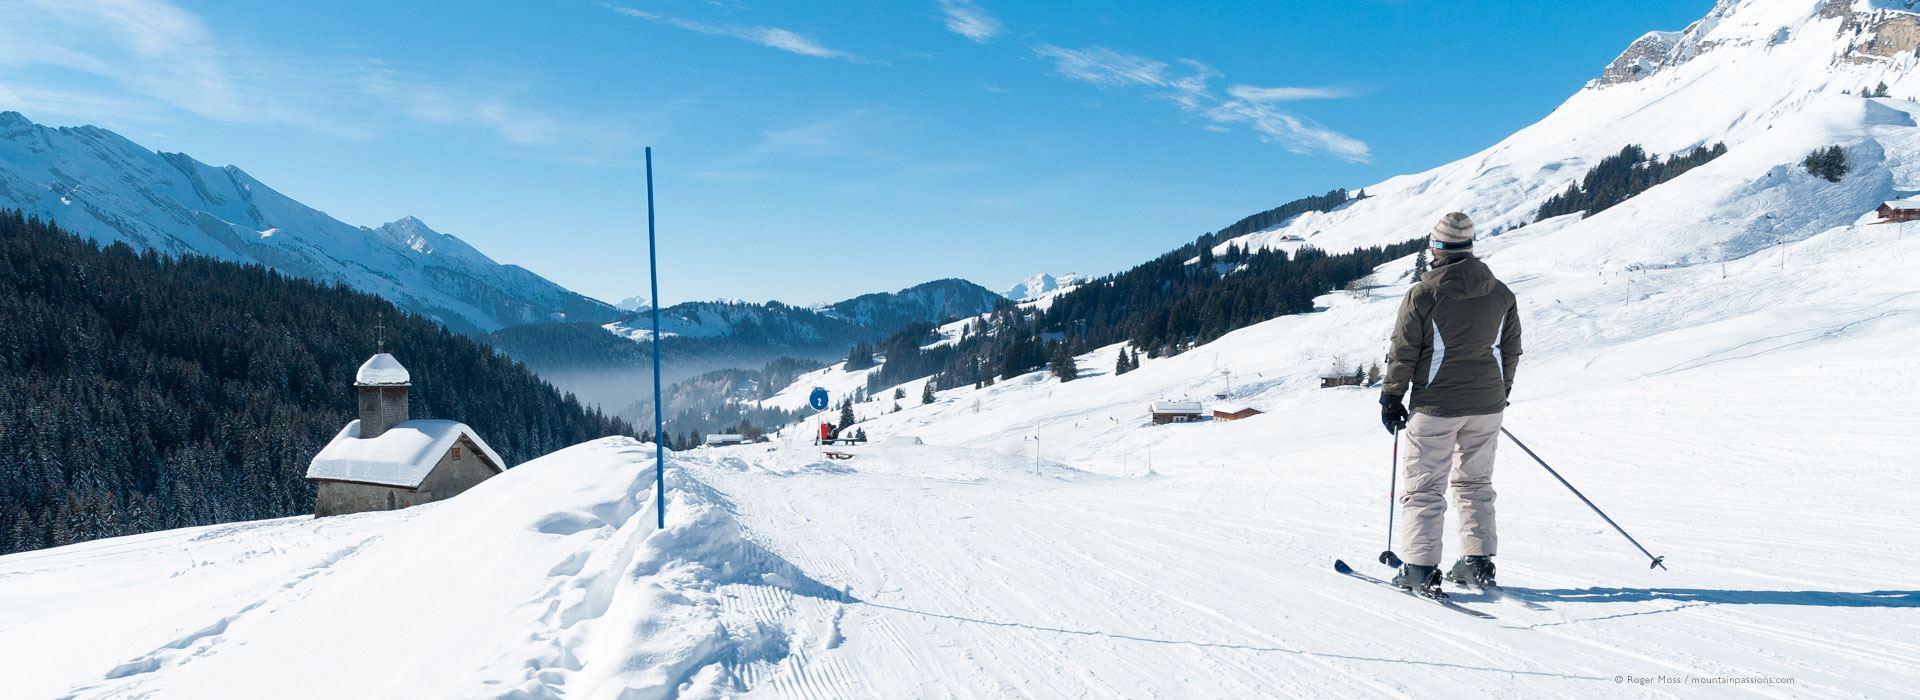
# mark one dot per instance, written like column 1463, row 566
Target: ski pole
column 1393, row 479
column 1657, row 561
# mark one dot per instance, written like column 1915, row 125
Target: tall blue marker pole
column 659, row 422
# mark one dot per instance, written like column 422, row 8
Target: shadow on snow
column 1834, row 599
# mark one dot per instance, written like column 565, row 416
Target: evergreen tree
column 846, row 415
column 1062, row 363
column 860, row 357
column 1022, row 356
column 1420, row 266
column 1373, row 374
column 1829, row 163
column 860, row 434
column 926, row 392
column 143, row 391
column 1620, row 176
column 1880, row 90
column 899, row 393
column 1120, row 363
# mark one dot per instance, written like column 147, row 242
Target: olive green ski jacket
column 1456, row 343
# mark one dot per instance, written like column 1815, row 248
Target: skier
column 1456, row 345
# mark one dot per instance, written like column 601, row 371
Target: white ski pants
column 1433, row 453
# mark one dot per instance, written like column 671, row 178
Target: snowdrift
column 546, row 581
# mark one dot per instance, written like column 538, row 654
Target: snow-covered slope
column 97, row 184
column 1749, row 427
column 546, row 581
column 1767, row 77
column 1752, row 421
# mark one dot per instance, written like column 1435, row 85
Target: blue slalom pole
column 659, row 412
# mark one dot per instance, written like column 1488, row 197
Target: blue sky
column 811, row 151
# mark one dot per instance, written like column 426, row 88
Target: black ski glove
column 1393, row 414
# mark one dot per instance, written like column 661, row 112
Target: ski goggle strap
column 1438, row 244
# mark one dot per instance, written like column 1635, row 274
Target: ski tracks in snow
column 1009, row 585
column 126, row 679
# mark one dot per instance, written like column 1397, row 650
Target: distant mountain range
column 610, row 365
column 102, row 186
column 105, row 187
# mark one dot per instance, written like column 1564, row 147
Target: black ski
column 1440, row 599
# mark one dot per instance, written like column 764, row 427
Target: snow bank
column 547, row 581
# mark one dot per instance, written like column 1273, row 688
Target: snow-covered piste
column 1748, row 414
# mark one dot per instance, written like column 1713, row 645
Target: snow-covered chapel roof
column 402, row 456
column 382, row 370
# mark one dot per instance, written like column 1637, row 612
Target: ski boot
column 1419, row 580
column 1474, row 571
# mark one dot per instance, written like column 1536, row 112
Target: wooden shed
column 1231, row 412
column 1340, row 380
column 1165, row 412
column 1899, row 210
column 385, row 461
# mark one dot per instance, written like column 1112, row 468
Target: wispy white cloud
column 1106, row 67
column 965, row 18
column 1188, row 87
column 1286, row 94
column 835, row 136
column 770, row 37
column 137, row 60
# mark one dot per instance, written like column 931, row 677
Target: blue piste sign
column 818, row 399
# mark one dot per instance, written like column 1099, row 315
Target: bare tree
column 1361, row 288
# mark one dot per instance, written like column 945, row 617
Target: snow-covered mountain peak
column 1884, row 33
column 102, row 186
column 411, row 233
column 1042, row 284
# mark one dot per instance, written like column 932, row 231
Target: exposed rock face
column 1872, row 31
column 1644, row 56
column 1887, row 35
